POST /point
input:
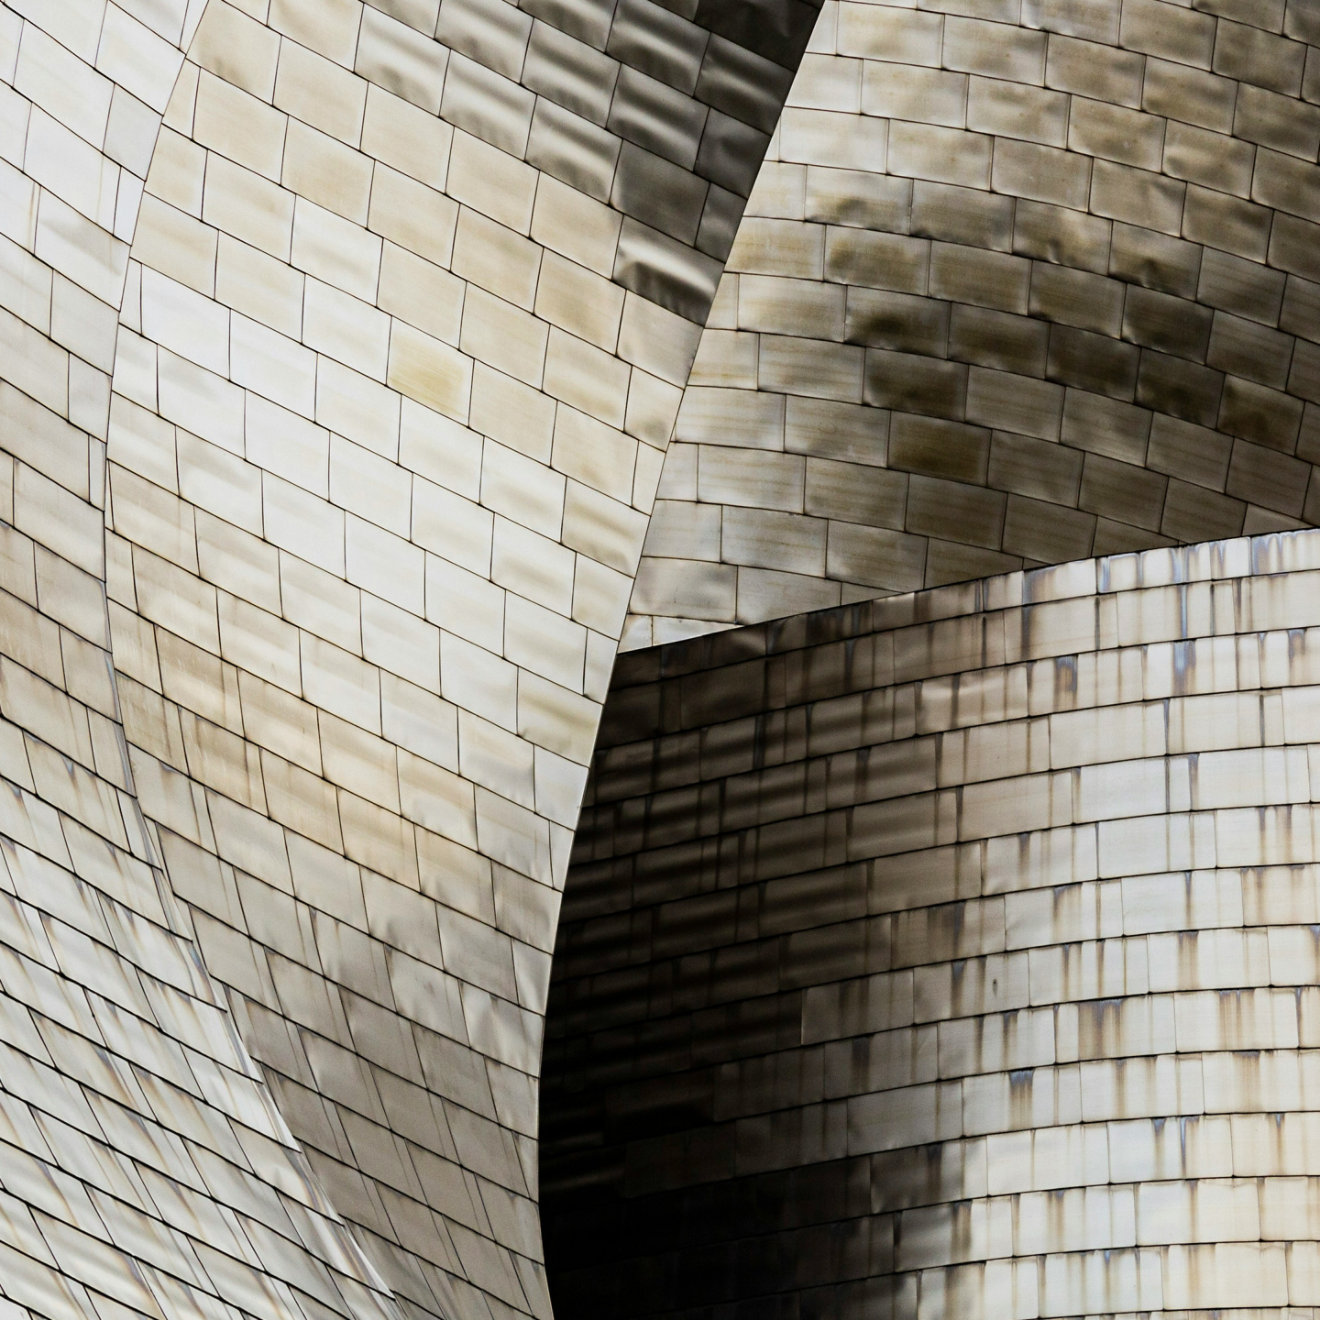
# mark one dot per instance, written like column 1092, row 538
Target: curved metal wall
column 322, row 507
column 145, row 1168
column 410, row 306
column 953, row 954
column 1021, row 281
column 338, row 362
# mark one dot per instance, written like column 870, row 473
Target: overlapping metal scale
column 953, row 954
column 340, row 346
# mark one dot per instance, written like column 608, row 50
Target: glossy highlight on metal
column 1021, row 281
column 341, row 349
column 341, row 346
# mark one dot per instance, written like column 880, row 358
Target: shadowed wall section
column 1021, row 281
column 953, row 955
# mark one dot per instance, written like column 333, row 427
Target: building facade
column 341, row 348
column 1020, row 283
column 953, row 954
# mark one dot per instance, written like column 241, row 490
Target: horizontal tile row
column 1019, row 284
column 844, row 1015
column 340, row 346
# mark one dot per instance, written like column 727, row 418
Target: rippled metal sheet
column 339, row 358
column 1086, row 231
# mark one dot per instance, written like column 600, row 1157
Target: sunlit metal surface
column 340, row 345
column 339, row 357
column 1019, row 283
column 953, row 954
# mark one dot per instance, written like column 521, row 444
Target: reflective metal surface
column 339, row 357
column 1049, row 266
column 340, row 345
column 952, row 954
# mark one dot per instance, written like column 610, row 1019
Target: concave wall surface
column 1021, row 281
column 340, row 344
column 953, row 954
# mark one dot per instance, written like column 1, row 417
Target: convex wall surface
column 340, row 347
column 1022, row 281
column 954, row 954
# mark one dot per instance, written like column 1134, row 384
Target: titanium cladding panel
column 1019, row 283
column 954, row 955
column 340, row 345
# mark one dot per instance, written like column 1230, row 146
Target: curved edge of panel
column 1018, row 284
column 145, row 1159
